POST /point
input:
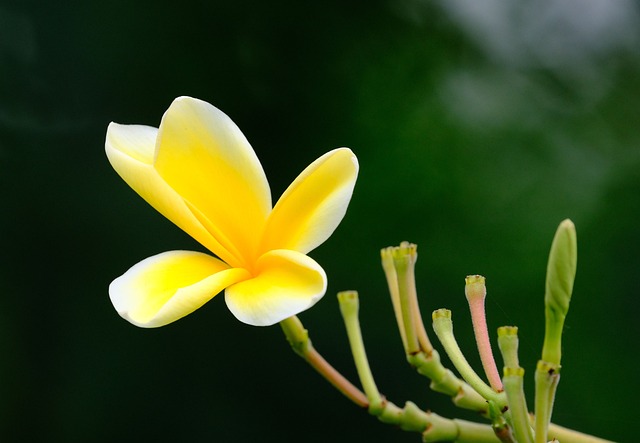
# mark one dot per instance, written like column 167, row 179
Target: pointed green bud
column 561, row 272
column 561, row 269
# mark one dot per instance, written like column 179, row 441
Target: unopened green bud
column 561, row 269
column 561, row 272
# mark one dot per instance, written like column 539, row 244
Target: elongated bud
column 561, row 269
column 561, row 272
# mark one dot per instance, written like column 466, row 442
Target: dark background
column 479, row 126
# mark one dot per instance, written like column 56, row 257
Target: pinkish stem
column 476, row 292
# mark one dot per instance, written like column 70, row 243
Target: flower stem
column 513, row 384
column 349, row 306
column 547, row 377
column 298, row 338
column 434, row 428
column 443, row 380
column 403, row 263
column 392, row 281
column 565, row 435
column 399, row 265
column 476, row 292
column 443, row 327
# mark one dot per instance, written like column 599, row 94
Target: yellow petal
column 314, row 204
column 203, row 156
column 130, row 149
column 286, row 283
column 166, row 287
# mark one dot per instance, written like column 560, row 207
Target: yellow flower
column 199, row 171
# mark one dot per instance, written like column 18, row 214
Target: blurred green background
column 479, row 126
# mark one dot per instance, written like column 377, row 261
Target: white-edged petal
column 130, row 150
column 314, row 204
column 205, row 157
column 165, row 287
column 285, row 283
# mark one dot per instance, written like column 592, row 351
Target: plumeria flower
column 199, row 171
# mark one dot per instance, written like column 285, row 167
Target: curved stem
column 349, row 306
column 388, row 266
column 434, row 428
column 444, row 330
column 443, row 380
column 403, row 264
column 476, row 292
column 410, row 418
column 399, row 263
column 298, row 338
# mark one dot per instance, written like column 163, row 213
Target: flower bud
column 561, row 272
column 561, row 269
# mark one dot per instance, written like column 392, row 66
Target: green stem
column 513, row 386
column 443, row 327
column 435, row 428
column 546, row 379
column 399, row 263
column 349, row 306
column 403, row 265
column 565, row 435
column 386, row 255
column 426, row 360
column 412, row 295
column 411, row 417
column 298, row 338
column 499, row 424
column 446, row 382
column 470, row 432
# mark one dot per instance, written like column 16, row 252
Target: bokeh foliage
column 479, row 127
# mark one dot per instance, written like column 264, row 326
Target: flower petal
column 286, row 283
column 314, row 204
column 205, row 157
column 165, row 287
column 130, row 149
